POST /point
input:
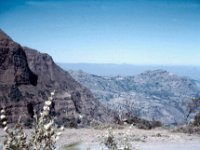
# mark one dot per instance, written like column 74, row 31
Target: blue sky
column 107, row 31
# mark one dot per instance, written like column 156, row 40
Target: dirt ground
column 155, row 139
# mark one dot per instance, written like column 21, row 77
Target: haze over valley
column 192, row 72
column 99, row 74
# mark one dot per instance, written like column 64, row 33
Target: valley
column 155, row 94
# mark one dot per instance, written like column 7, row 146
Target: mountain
column 130, row 69
column 156, row 94
column 26, row 79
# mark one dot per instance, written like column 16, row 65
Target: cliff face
column 52, row 77
column 13, row 64
column 26, row 79
column 14, row 72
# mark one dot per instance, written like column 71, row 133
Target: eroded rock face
column 13, row 63
column 72, row 99
column 14, row 72
column 26, row 79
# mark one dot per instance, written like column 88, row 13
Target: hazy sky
column 107, row 31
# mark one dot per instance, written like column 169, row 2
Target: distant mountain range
column 128, row 69
column 156, row 94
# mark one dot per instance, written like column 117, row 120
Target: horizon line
column 136, row 64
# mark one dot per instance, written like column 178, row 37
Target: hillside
column 157, row 95
column 26, row 79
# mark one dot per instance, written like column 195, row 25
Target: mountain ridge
column 157, row 95
column 131, row 69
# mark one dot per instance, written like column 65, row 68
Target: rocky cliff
column 26, row 79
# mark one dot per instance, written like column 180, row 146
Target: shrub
column 44, row 133
column 110, row 141
column 190, row 129
column 197, row 120
column 156, row 124
column 112, row 144
column 144, row 124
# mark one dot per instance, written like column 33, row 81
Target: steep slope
column 14, row 72
column 51, row 76
column 157, row 95
column 26, row 79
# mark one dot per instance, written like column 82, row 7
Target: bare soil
column 155, row 139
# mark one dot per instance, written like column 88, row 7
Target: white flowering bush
column 110, row 141
column 44, row 135
column 112, row 144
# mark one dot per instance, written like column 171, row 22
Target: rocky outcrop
column 72, row 98
column 13, row 64
column 157, row 94
column 26, row 79
column 14, row 72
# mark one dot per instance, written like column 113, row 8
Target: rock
column 13, row 64
column 14, row 72
column 26, row 79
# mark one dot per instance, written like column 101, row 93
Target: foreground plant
column 15, row 139
column 110, row 141
column 44, row 135
column 112, row 144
